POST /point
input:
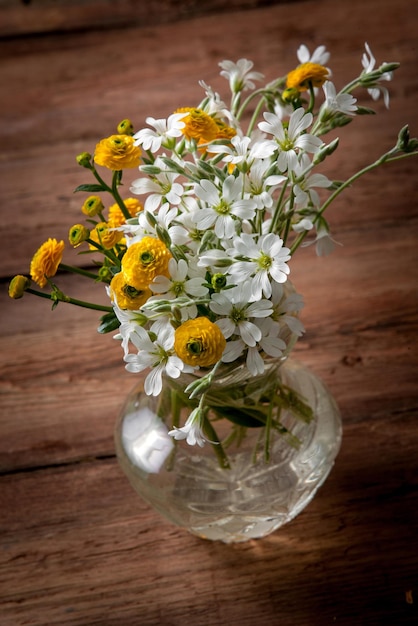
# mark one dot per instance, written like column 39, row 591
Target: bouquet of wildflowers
column 196, row 264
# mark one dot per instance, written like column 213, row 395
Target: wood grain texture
column 77, row 546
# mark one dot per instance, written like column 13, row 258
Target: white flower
column 289, row 141
column 164, row 220
column 239, row 74
column 320, row 55
column 192, row 430
column 260, row 187
column 222, row 207
column 145, row 440
column 244, row 150
column 304, row 190
column 235, row 305
column 215, row 104
column 157, row 355
column 368, row 61
column 265, row 258
column 180, row 284
column 152, row 139
column 161, row 188
column 129, row 326
column 324, row 243
column 342, row 102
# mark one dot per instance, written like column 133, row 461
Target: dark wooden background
column 77, row 546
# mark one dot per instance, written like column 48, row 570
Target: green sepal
column 109, row 322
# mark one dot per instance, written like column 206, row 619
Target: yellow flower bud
column 18, row 286
column 78, row 234
column 125, row 127
column 291, row 94
column 84, row 159
column 199, row 342
column 117, row 152
column 105, row 236
column 92, row 206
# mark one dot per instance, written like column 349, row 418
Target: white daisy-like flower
column 324, row 243
column 179, row 284
column 342, row 102
column 222, row 207
column 214, row 103
column 266, row 259
column 289, row 141
column 163, row 129
column 236, row 311
column 320, row 55
column 157, row 355
column 239, row 74
column 368, row 62
column 165, row 220
column 260, row 187
column 129, row 325
column 286, row 308
column 192, row 430
column 243, row 150
column 161, row 188
column 304, row 190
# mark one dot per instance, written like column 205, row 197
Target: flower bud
column 325, row 151
column 218, row 281
column 18, row 286
column 291, row 94
column 84, row 159
column 125, row 127
column 78, row 234
column 92, row 206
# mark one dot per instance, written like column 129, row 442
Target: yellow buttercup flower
column 224, row 131
column 18, row 286
column 305, row 74
column 116, row 218
column 145, row 260
column 104, row 236
column 117, row 152
column 198, row 125
column 46, row 260
column 126, row 296
column 199, row 342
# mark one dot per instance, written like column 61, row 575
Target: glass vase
column 272, row 441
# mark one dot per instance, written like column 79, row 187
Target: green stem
column 77, row 270
column 385, row 158
column 216, row 444
column 60, row 297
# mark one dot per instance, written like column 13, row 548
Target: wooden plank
column 80, row 548
column 40, row 16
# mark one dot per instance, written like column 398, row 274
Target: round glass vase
column 272, row 441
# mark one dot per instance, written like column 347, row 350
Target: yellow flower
column 46, row 260
column 199, row 342
column 116, row 217
column 92, row 206
column 125, row 127
column 78, row 234
column 117, row 152
column 104, row 236
column 126, row 296
column 18, row 286
column 224, row 131
column 198, row 125
column 305, row 74
column 145, row 260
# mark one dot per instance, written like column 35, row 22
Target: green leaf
column 109, row 322
column 93, row 188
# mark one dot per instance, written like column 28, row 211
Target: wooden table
column 77, row 546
